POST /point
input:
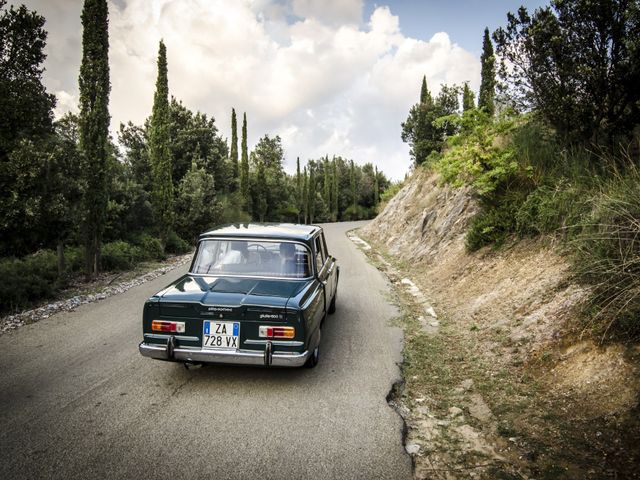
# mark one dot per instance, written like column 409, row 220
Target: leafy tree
column 352, row 177
column 160, row 151
column 326, row 183
column 189, row 131
column 487, row 75
column 134, row 140
column 311, row 193
column 577, row 63
column 420, row 131
column 235, row 172
column 244, row 164
column 376, row 190
column 94, row 125
column 25, row 106
column 259, row 188
column 196, row 204
column 468, row 102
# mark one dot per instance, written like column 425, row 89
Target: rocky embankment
column 547, row 399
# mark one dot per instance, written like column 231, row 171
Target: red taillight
column 266, row 331
column 166, row 326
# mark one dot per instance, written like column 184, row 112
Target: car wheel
column 312, row 361
column 332, row 305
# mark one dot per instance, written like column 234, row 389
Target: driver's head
column 239, row 246
column 287, row 251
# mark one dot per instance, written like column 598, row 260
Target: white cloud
column 324, row 80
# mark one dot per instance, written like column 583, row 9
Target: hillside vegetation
column 514, row 250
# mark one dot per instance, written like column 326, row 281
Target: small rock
column 412, row 448
column 455, row 411
column 466, row 384
column 513, row 439
column 431, row 312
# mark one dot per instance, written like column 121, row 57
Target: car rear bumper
column 235, row 357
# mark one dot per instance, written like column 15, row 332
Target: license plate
column 221, row 335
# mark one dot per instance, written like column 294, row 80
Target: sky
column 331, row 77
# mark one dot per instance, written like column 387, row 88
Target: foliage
column 607, row 254
column 233, row 155
column 94, row 120
column 160, row 152
column 27, row 280
column 176, row 245
column 480, row 155
column 120, row 255
column 487, row 76
column 468, row 101
column 578, row 64
column 196, row 206
column 420, row 130
column 244, row 164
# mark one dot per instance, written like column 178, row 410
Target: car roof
column 287, row 231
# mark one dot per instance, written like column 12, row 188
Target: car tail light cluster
column 266, row 331
column 166, row 326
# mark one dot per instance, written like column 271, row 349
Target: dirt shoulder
column 500, row 379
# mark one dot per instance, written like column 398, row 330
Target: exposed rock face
column 423, row 219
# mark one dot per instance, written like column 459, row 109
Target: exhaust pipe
column 268, row 354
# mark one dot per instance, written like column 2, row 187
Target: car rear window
column 252, row 258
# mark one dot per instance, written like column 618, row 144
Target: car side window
column 319, row 254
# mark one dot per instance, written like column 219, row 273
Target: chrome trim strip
column 160, row 336
column 279, row 343
column 237, row 357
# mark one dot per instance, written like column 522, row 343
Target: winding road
column 77, row 400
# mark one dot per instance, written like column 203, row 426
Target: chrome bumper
column 236, row 357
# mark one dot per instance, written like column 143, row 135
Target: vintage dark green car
column 256, row 294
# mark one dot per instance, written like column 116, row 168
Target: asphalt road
column 77, row 400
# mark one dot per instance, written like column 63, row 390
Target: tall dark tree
column 94, row 120
column 326, row 184
column 305, row 196
column 311, row 193
column 334, row 190
column 160, row 150
column 425, row 94
column 578, row 64
column 352, row 180
column 468, row 102
column 486, row 96
column 244, row 165
column 376, row 190
column 25, row 106
column 233, row 156
column 299, row 190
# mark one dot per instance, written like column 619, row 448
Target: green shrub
column 74, row 259
column 151, row 248
column 492, row 225
column 550, row 209
column 120, row 255
column 607, row 255
column 176, row 245
column 27, row 280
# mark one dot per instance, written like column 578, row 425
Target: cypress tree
column 487, row 75
column 305, row 196
column 353, row 186
column 94, row 86
column 299, row 201
column 468, row 102
column 311, row 200
column 233, row 155
column 425, row 94
column 327, row 183
column 160, row 151
column 244, row 165
column 334, row 194
column 376, row 189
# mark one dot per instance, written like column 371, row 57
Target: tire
column 332, row 305
column 313, row 359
